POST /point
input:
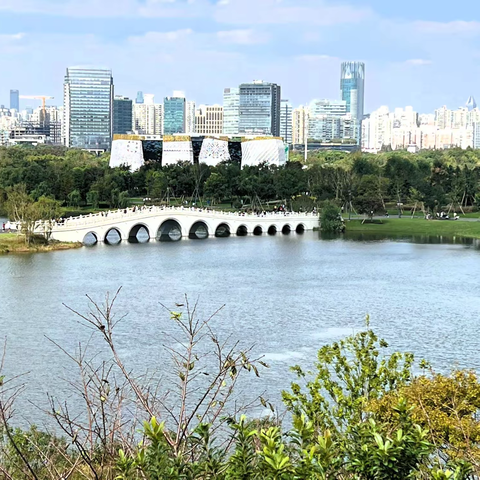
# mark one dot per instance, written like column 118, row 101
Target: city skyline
column 298, row 45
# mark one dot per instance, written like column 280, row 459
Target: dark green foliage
column 433, row 178
column 330, row 219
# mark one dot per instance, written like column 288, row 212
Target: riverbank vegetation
column 15, row 243
column 358, row 411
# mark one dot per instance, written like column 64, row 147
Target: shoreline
column 416, row 226
column 14, row 243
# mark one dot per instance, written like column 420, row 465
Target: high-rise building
column 148, row 117
column 352, row 87
column 209, row 120
column 231, row 104
column 259, row 108
column 471, row 104
column 88, row 108
column 15, row 100
column 324, row 128
column 329, row 120
column 299, row 124
column 122, row 115
column 332, row 108
column 286, row 121
column 190, row 117
column 174, row 120
column 139, row 98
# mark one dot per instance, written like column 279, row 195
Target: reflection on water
column 286, row 294
column 423, row 239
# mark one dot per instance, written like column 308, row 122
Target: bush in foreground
column 358, row 414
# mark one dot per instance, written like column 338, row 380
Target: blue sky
column 422, row 53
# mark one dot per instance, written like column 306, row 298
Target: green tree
column 123, row 200
column 330, row 218
column 349, row 374
column 93, row 198
column 48, row 211
column 74, row 198
column 216, row 187
column 156, row 183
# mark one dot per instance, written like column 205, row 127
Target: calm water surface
column 288, row 295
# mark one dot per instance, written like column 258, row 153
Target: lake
column 287, row 295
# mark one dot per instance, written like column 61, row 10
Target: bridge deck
column 124, row 220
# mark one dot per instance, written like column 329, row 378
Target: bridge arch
column 258, row 230
column 242, row 231
column 90, row 239
column 272, row 230
column 144, row 231
column 300, row 228
column 113, row 236
column 286, row 229
column 169, row 231
column 198, row 231
column 223, row 230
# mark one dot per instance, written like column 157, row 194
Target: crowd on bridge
column 10, row 227
column 116, row 214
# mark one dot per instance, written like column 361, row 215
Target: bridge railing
column 105, row 218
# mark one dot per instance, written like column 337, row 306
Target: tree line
column 431, row 180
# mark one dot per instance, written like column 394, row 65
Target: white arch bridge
column 172, row 224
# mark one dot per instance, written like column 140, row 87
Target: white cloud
column 156, row 38
column 315, row 58
column 109, row 8
column 239, row 12
column 12, row 37
column 12, row 44
column 313, row 12
column 243, row 37
column 418, row 62
column 458, row 27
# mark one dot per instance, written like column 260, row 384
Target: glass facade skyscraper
column 259, row 108
column 174, row 115
column 231, row 104
column 88, row 108
column 122, row 115
column 15, row 100
column 139, row 97
column 352, row 87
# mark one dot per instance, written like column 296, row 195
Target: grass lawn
column 417, row 226
column 13, row 243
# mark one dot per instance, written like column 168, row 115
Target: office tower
column 209, row 120
column 332, row 108
column 286, row 121
column 14, row 100
column 259, row 108
column 174, row 114
column 139, row 98
column 190, row 117
column 122, row 115
column 323, row 128
column 299, row 124
column 231, row 104
column 88, row 108
column 352, row 87
column 471, row 104
column 148, row 117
